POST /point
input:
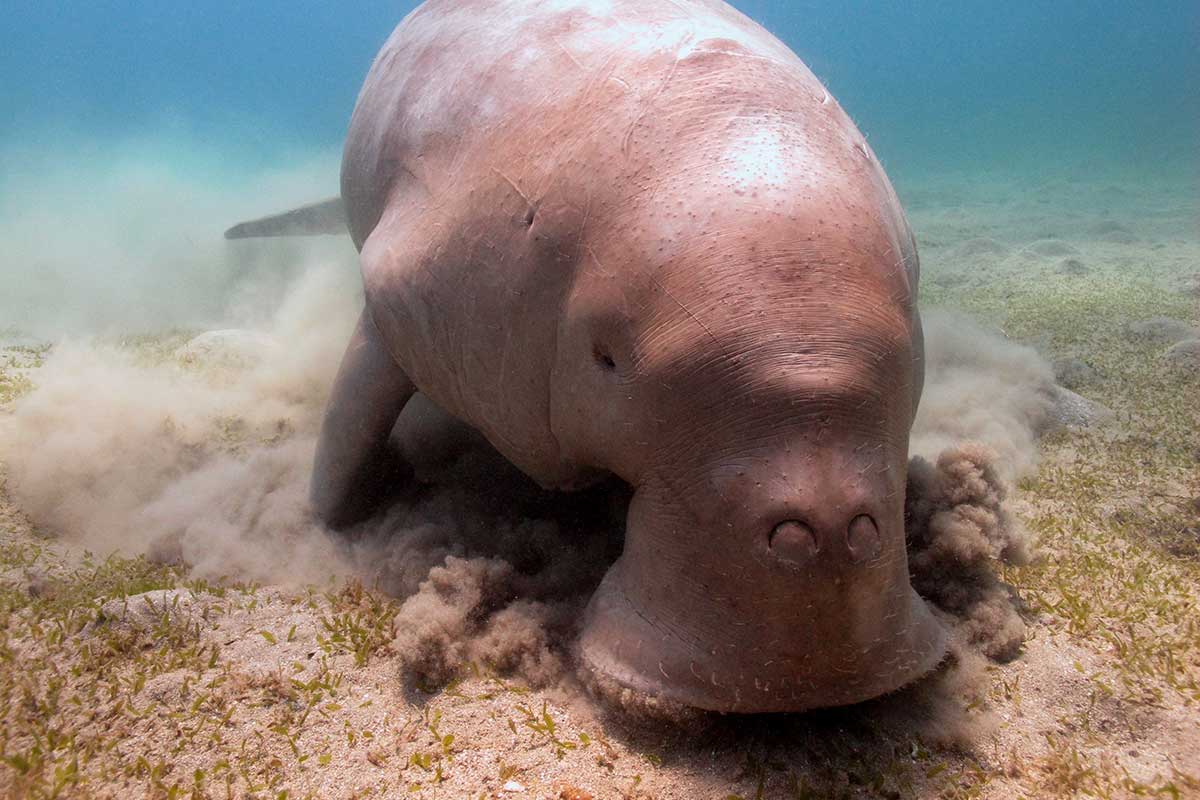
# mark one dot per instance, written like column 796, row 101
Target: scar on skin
column 662, row 87
column 532, row 206
column 736, row 54
column 567, row 52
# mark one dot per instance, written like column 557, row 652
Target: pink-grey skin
column 639, row 237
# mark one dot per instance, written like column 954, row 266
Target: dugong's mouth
column 835, row 648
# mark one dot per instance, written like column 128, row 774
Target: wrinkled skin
column 639, row 237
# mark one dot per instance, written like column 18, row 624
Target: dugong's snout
column 779, row 603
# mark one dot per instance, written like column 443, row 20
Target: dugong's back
column 457, row 75
column 607, row 121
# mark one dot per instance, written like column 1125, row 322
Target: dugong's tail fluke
column 327, row 218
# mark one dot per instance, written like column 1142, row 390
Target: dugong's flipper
column 327, row 218
column 355, row 467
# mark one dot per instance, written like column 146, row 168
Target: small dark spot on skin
column 529, row 215
column 605, row 361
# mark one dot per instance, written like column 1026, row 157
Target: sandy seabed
column 231, row 649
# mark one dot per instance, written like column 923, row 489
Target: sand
column 253, row 663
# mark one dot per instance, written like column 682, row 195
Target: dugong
column 639, row 238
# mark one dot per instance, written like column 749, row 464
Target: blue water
column 933, row 84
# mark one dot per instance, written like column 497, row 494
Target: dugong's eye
column 603, row 359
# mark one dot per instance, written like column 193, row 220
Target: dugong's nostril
column 793, row 542
column 862, row 537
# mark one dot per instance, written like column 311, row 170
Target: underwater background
column 1021, row 84
column 132, row 133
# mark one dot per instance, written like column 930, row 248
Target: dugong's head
column 745, row 351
